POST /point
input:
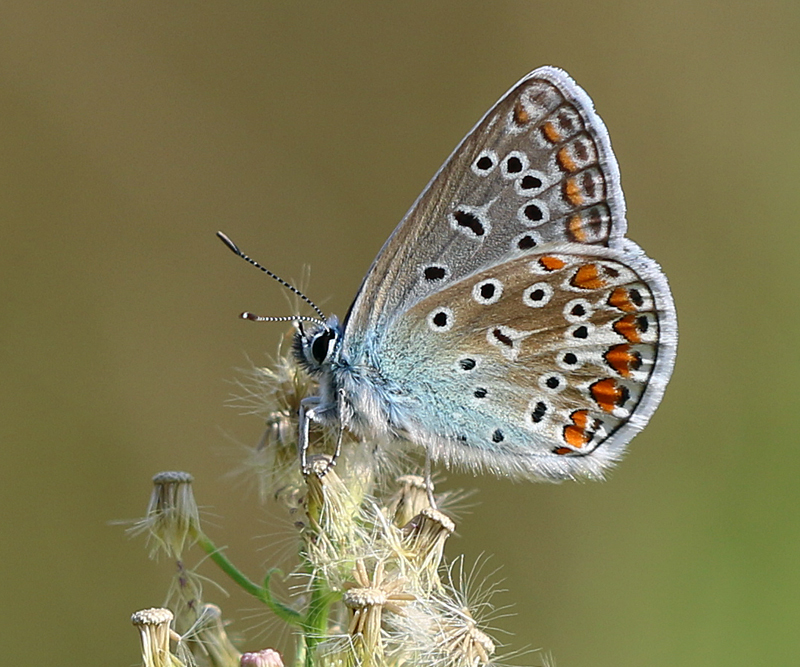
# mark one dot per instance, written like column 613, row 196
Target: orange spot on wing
column 550, row 263
column 588, row 277
column 623, row 359
column 521, row 115
column 565, row 160
column 628, row 328
column 608, row 394
column 572, row 192
column 551, row 133
column 575, row 434
column 621, row 298
column 576, row 228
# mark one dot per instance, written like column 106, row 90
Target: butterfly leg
column 309, row 409
column 305, row 416
column 338, row 449
column 429, row 481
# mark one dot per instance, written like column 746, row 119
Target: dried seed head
column 330, row 507
column 334, row 535
column 464, row 642
column 425, row 536
column 154, row 632
column 185, row 596
column 447, row 628
column 173, row 521
column 411, row 498
column 210, row 636
column 367, row 598
column 274, row 394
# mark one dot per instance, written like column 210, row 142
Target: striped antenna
column 257, row 318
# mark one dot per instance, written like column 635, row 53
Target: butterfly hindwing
column 542, row 366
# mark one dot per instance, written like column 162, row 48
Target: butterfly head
column 313, row 346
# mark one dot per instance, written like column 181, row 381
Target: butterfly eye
column 320, row 345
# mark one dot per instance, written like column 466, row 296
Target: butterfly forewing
column 537, row 169
column 535, row 365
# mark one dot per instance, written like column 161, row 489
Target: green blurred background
column 131, row 131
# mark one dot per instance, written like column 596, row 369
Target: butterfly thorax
column 351, row 392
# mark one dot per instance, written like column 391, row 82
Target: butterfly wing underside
column 538, row 168
column 517, row 328
column 544, row 366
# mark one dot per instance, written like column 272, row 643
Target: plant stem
column 282, row 611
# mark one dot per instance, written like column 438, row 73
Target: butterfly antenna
column 257, row 318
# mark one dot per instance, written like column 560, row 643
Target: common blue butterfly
column 507, row 324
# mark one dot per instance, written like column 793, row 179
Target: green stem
column 315, row 624
column 281, row 610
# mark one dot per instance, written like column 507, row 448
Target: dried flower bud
column 264, row 658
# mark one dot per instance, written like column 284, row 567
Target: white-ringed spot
column 537, row 295
column 507, row 340
column 579, row 332
column 488, row 291
column 515, row 163
column 538, row 412
column 526, row 241
column 440, row 319
column 530, row 183
column 466, row 364
column 569, row 360
column 470, row 221
column 434, row 273
column 533, row 213
column 485, row 163
column 578, row 310
column 552, row 383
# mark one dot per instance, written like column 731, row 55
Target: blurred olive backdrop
column 131, row 131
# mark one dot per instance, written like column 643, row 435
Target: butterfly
column 507, row 325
